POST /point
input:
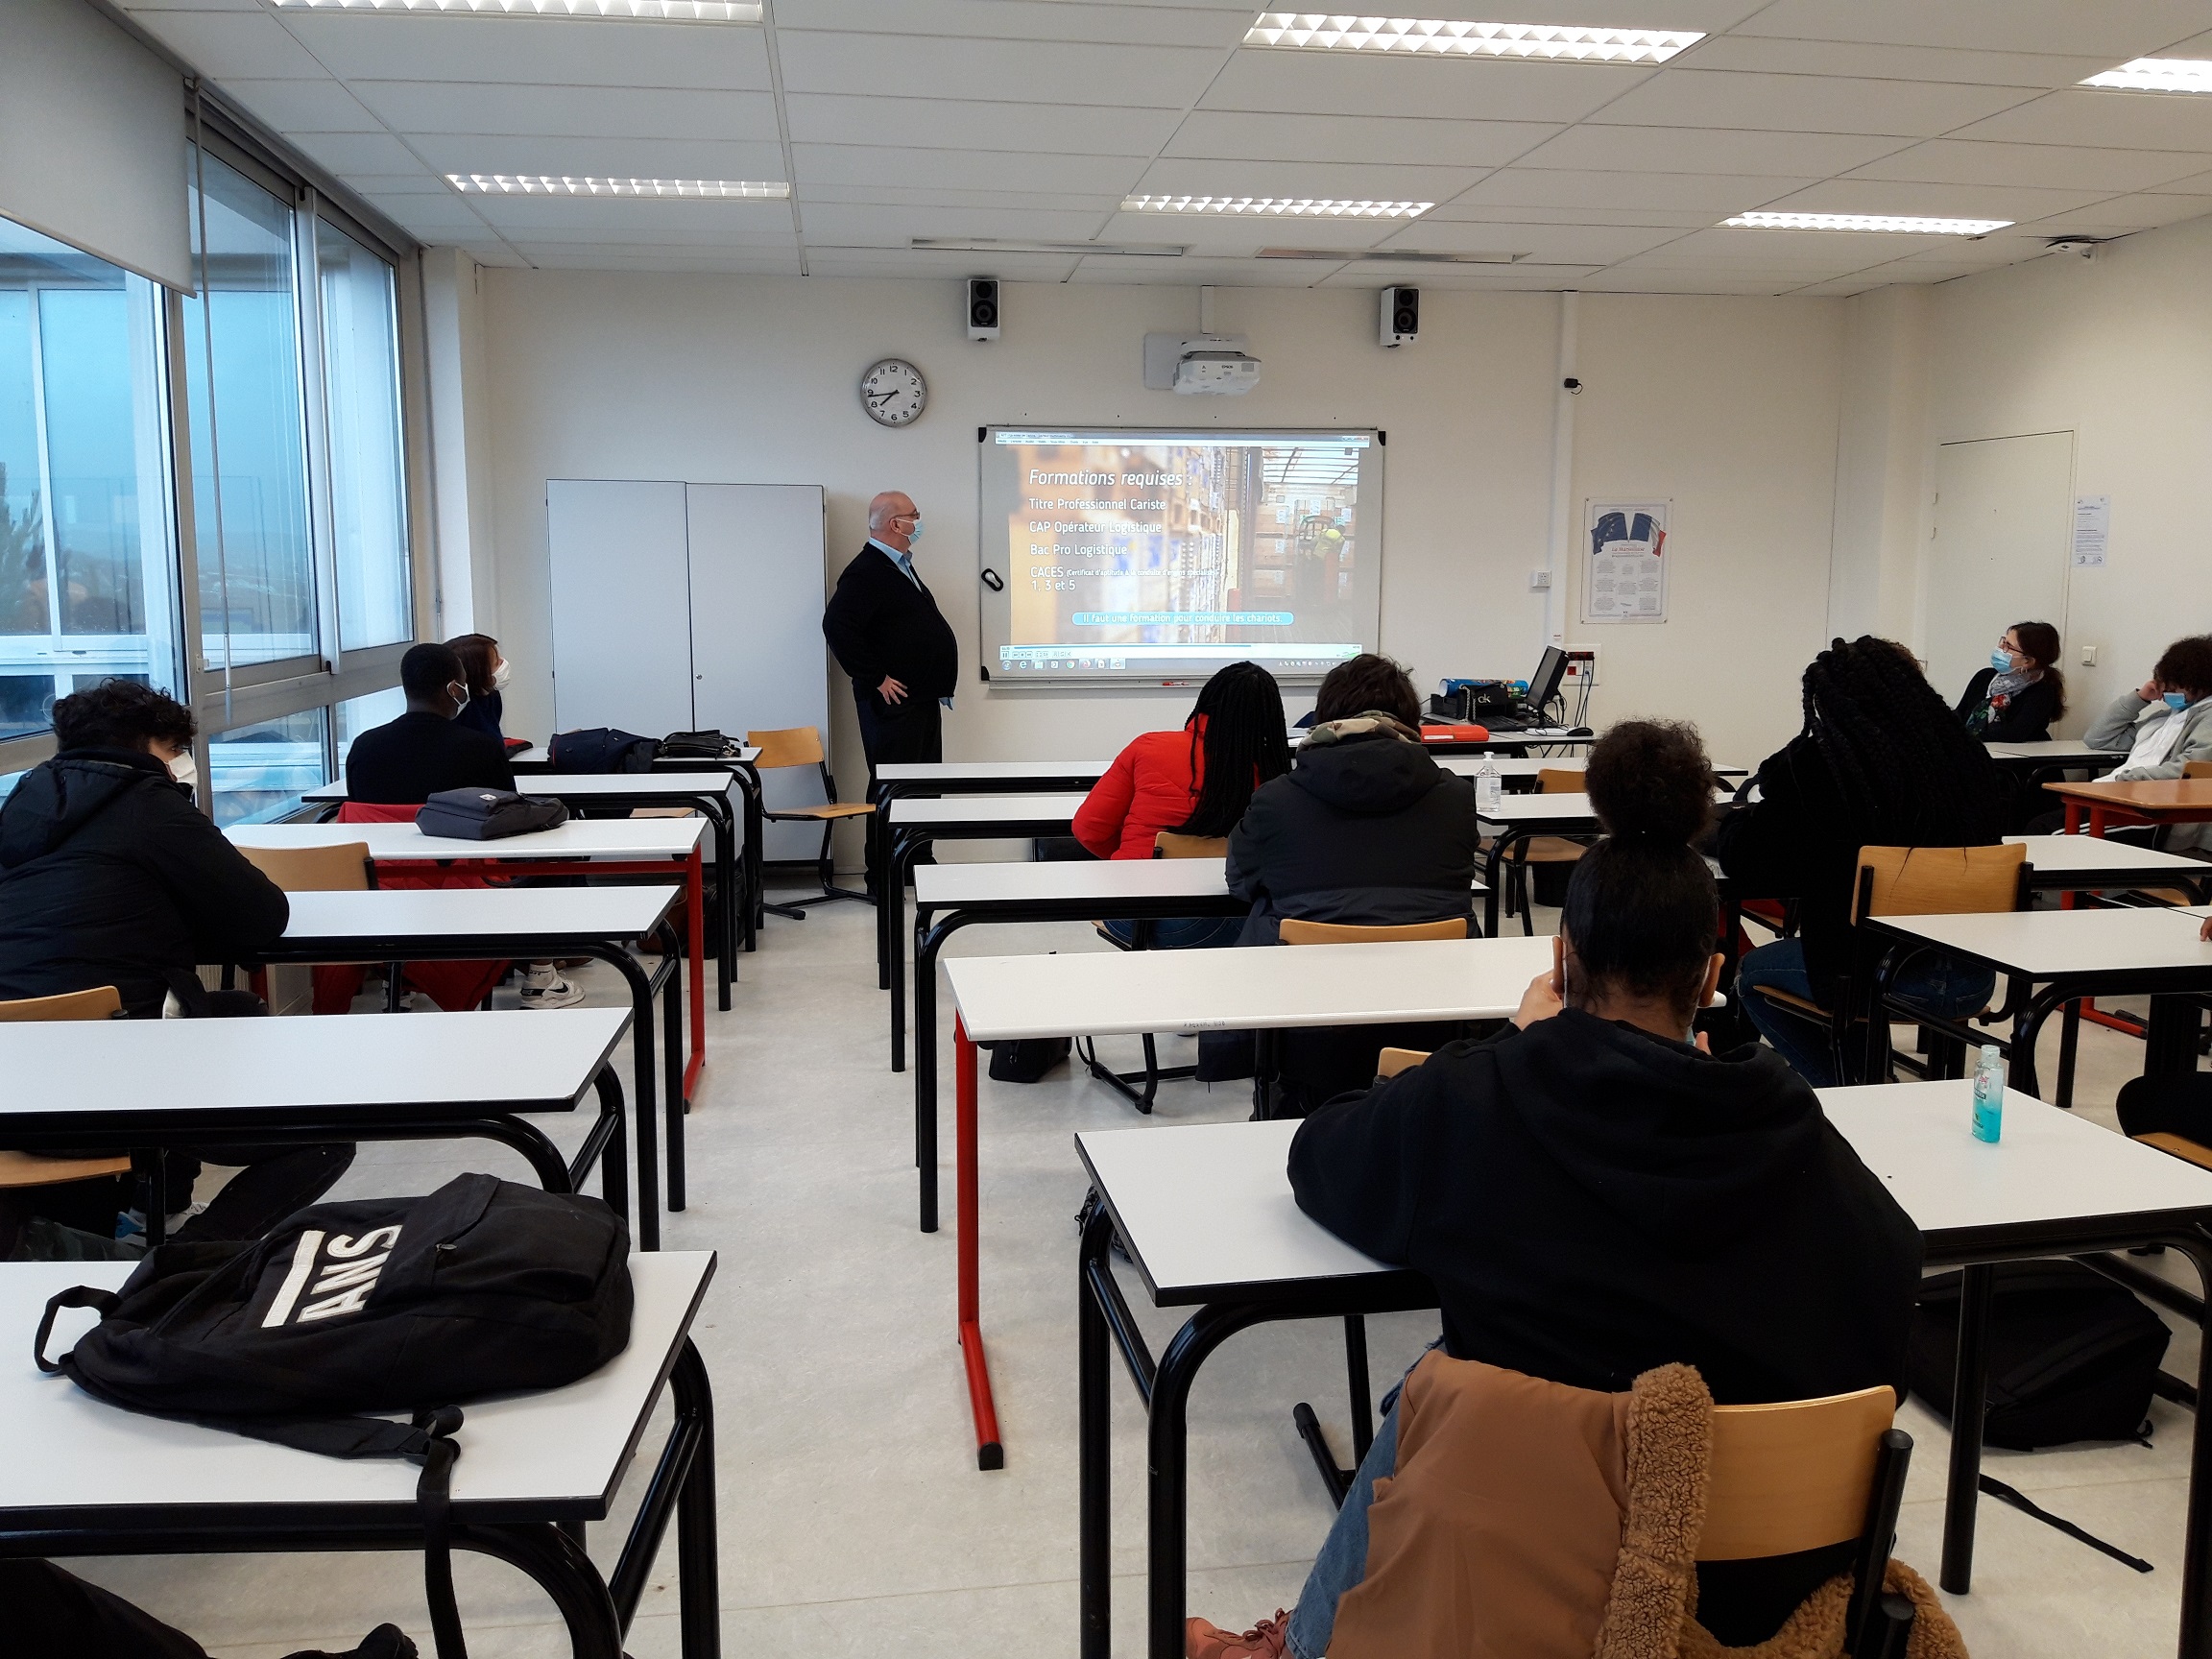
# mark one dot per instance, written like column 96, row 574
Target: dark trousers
column 911, row 730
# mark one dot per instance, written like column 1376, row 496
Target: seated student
column 2017, row 697
column 1593, row 1194
column 1881, row 763
column 109, row 874
column 1194, row 781
column 486, row 673
column 1365, row 826
column 2166, row 722
column 407, row 761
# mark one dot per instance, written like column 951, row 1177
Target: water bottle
column 1989, row 1094
column 1489, row 791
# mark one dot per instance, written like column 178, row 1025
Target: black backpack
column 602, row 749
column 710, row 745
column 488, row 814
column 2071, row 1356
column 412, row 1304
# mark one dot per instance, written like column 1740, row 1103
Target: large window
column 87, row 583
column 361, row 396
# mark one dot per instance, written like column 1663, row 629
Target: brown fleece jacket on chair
column 1530, row 1519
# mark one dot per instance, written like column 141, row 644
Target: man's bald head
column 892, row 517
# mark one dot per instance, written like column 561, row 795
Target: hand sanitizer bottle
column 1989, row 1094
column 1488, row 790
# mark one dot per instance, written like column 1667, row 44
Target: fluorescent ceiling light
column 1865, row 222
column 1274, row 207
column 1393, row 255
column 2158, row 75
column 1326, row 32
column 620, row 10
column 1019, row 245
column 687, row 190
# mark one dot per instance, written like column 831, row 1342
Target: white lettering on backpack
column 340, row 1278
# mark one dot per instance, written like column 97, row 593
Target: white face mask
column 501, row 675
column 460, row 694
column 185, row 770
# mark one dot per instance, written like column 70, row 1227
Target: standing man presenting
column 886, row 633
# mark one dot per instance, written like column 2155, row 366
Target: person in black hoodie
column 1881, row 763
column 109, row 874
column 1593, row 1194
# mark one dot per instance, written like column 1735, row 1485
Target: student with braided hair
column 1882, row 762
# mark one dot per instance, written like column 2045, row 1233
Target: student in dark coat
column 485, row 671
column 109, row 874
column 2022, row 693
column 1593, row 1194
column 885, row 629
column 405, row 761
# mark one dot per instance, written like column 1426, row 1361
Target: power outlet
column 1581, row 666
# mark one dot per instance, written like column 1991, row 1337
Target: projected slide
column 1164, row 555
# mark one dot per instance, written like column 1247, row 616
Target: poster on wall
column 1625, row 578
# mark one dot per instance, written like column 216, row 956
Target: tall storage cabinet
column 678, row 607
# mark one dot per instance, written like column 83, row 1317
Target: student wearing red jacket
column 1195, row 781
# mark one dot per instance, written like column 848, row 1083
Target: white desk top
column 536, row 756
column 1521, row 811
column 1523, row 766
column 511, row 912
column 1206, row 1207
column 544, row 1058
column 985, row 771
column 566, row 1447
column 1236, row 990
column 2051, row 751
column 1074, row 880
column 2099, row 854
column 583, row 785
column 984, row 811
column 578, row 838
column 2044, row 943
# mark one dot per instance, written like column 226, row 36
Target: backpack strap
column 434, row 1497
column 75, row 1296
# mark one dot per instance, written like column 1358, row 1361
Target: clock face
column 893, row 393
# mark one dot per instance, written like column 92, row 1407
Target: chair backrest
column 102, row 1002
column 1559, row 781
column 789, row 746
column 1941, row 881
column 2197, row 768
column 1172, row 844
column 1795, row 1476
column 1297, row 932
column 340, row 869
column 1392, row 1061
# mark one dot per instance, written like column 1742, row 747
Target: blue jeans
column 1343, row 1559
column 1183, row 932
column 1938, row 984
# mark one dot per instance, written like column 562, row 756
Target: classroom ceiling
column 1027, row 121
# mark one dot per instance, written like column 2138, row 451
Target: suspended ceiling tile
column 2119, row 29
column 1227, row 236
column 1570, row 244
column 2121, row 215
column 317, row 106
column 1335, row 180
column 1192, row 270
column 2016, row 202
column 1690, row 150
column 834, row 223
column 1455, row 88
column 600, row 157
column 1625, row 280
column 559, row 256
column 2103, row 120
column 1155, row 76
column 421, row 182
column 950, row 123
column 1882, row 63
column 2049, row 166
column 588, row 219
column 134, row 5
column 561, row 112
column 902, row 195
column 1219, row 27
column 429, row 217
column 1804, row 104
column 826, row 260
column 554, row 51
column 1256, row 135
column 1782, row 249
column 1463, row 278
column 233, row 46
column 976, row 170
column 1474, row 213
column 350, row 153
column 1718, row 194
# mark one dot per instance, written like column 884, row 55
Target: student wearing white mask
column 487, row 672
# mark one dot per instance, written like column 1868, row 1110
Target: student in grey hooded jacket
column 2164, row 724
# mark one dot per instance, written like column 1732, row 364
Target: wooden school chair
column 344, row 868
column 793, row 746
column 1809, row 1475
column 1297, row 932
column 22, row 1169
column 1916, row 881
column 1540, row 848
column 1167, row 844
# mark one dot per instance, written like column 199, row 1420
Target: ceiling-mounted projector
column 1200, row 365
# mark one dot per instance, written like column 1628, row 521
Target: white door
column 759, row 662
column 2003, row 524
column 622, row 605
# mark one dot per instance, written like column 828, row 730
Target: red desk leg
column 989, row 1455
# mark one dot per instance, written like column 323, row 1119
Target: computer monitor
column 1544, row 684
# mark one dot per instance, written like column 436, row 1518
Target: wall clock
column 894, row 392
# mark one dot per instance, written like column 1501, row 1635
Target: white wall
column 1727, row 405
column 2118, row 350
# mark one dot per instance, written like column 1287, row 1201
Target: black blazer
column 880, row 625
column 2025, row 719
column 419, row 755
